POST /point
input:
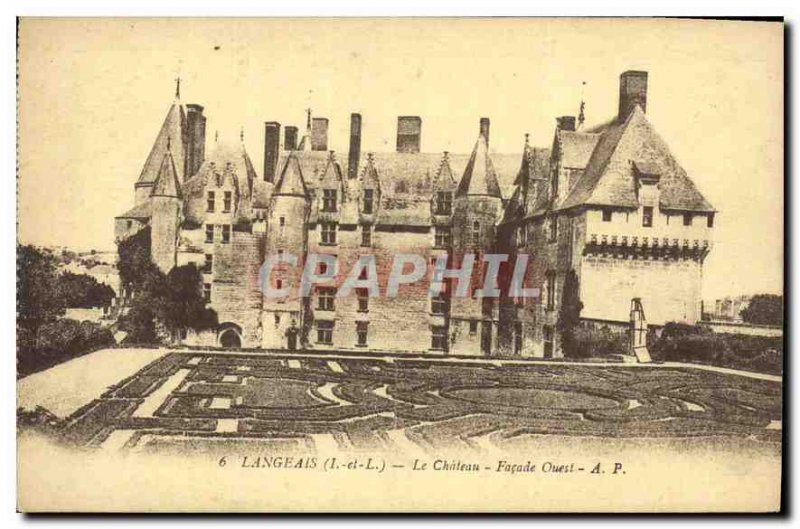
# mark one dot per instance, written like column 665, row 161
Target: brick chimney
column 195, row 140
column 289, row 138
column 355, row 146
column 632, row 92
column 409, row 133
column 272, row 139
column 485, row 129
column 565, row 123
column 319, row 134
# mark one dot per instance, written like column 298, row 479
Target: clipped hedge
column 694, row 343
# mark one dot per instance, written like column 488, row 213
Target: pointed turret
column 167, row 184
column 479, row 176
column 291, row 181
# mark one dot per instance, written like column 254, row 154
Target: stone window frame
column 438, row 338
column 444, row 203
column 326, row 298
column 362, row 294
column 209, row 233
column 608, row 214
column 442, row 236
column 226, row 234
column 329, row 200
column 208, row 266
column 648, row 213
column 207, row 292
column 328, row 233
column 227, row 201
column 368, row 204
column 325, row 331
column 687, row 219
column 366, row 235
column 211, row 202
column 439, row 304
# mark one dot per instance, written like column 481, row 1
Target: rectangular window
column 282, row 225
column 368, row 197
column 548, row 341
column 361, row 330
column 444, row 203
column 329, row 233
column 442, row 236
column 606, row 215
column 439, row 305
column 129, row 224
column 325, row 332
column 710, row 220
column 226, row 233
column 208, row 267
column 687, row 219
column 439, row 338
column 207, row 292
column 210, row 202
column 329, row 200
column 473, row 326
column 551, row 290
column 326, row 298
column 553, row 227
column 647, row 216
column 476, row 233
column 366, row 235
column 226, row 206
column 363, row 299
column 209, row 233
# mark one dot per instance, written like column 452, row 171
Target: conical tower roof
column 479, row 175
column 167, row 184
column 170, row 137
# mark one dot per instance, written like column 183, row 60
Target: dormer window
column 210, row 202
column 329, row 200
column 444, row 203
column 226, row 208
column 647, row 216
column 367, row 207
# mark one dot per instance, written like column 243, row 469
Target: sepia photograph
column 415, row 265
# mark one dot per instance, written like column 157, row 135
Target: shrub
column 592, row 342
column 693, row 343
column 58, row 342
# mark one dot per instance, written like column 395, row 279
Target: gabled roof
column 332, row 175
column 479, row 176
column 167, row 184
column 609, row 176
column 170, row 137
column 444, row 179
column 291, row 181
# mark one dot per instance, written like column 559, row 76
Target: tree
column 184, row 305
column 81, row 290
column 173, row 302
column 764, row 309
column 38, row 299
column 569, row 315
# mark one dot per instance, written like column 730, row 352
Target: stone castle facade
column 609, row 203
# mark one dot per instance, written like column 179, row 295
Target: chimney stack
column 290, row 138
column 632, row 92
column 195, row 140
column 409, row 132
column 319, row 134
column 565, row 123
column 272, row 139
column 355, row 146
column 485, row 129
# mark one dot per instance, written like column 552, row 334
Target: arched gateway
column 230, row 336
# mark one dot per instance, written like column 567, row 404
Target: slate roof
column 576, row 147
column 167, row 184
column 609, row 178
column 291, row 180
column 140, row 212
column 170, row 137
column 479, row 177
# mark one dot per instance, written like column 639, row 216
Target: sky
column 94, row 92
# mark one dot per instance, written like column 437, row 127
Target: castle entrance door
column 230, row 339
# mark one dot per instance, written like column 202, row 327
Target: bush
column 593, row 342
column 694, row 343
column 58, row 342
